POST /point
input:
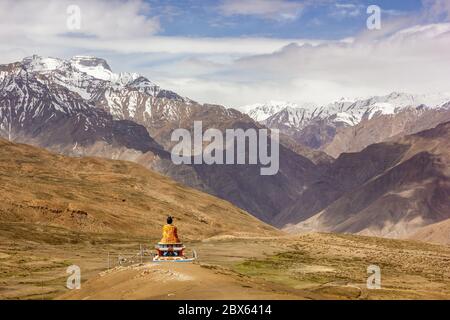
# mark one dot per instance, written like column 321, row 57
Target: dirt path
column 172, row 281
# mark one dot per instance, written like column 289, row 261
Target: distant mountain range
column 326, row 127
column 392, row 184
column 79, row 107
column 395, row 189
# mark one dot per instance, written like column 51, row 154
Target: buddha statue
column 170, row 235
column 170, row 247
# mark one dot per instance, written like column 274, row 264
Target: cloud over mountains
column 408, row 54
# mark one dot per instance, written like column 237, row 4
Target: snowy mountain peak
column 126, row 78
column 316, row 125
column 262, row 111
column 41, row 64
column 349, row 111
column 80, row 67
column 89, row 61
column 95, row 67
column 100, row 69
column 395, row 102
column 48, row 87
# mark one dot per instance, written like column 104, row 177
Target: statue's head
column 169, row 220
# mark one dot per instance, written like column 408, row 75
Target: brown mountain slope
column 414, row 192
column 343, row 175
column 98, row 118
column 235, row 183
column 436, row 233
column 385, row 127
column 105, row 196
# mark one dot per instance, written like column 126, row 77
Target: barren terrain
column 310, row 266
column 101, row 215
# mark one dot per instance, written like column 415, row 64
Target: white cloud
column 107, row 27
column 411, row 60
column 100, row 19
column 408, row 54
column 268, row 9
column 178, row 45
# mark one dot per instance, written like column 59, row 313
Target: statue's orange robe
column 170, row 234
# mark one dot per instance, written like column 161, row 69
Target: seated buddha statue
column 170, row 235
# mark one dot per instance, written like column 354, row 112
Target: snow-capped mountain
column 315, row 126
column 277, row 114
column 80, row 67
column 395, row 102
column 34, row 109
column 347, row 111
column 80, row 107
column 65, row 86
column 291, row 119
column 261, row 111
column 125, row 95
column 295, row 117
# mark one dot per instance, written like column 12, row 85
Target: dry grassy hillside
column 104, row 196
column 311, row 266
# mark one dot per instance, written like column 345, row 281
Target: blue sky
column 321, row 19
column 239, row 52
